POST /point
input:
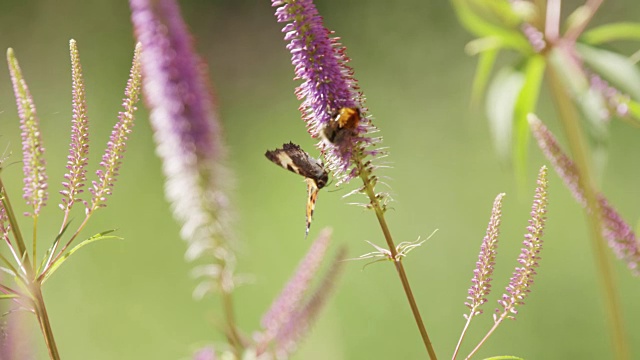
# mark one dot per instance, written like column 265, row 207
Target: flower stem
column 489, row 333
column 570, row 121
column 464, row 332
column 365, row 175
column 229, row 314
column 45, row 325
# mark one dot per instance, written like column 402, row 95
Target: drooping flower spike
column 328, row 91
column 620, row 236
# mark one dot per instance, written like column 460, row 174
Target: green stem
column 570, row 120
column 45, row 325
column 25, row 263
column 232, row 331
column 365, row 175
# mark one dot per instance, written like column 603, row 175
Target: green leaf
column 511, row 38
column 502, row 95
column 613, row 67
column 504, row 357
column 485, row 65
column 525, row 104
column 8, row 296
column 63, row 258
column 48, row 254
column 612, row 32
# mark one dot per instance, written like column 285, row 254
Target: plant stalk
column 375, row 204
column 570, row 121
column 45, row 324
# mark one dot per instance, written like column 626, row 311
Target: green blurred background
column 131, row 299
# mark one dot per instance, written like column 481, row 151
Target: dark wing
column 294, row 159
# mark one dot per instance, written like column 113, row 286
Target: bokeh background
column 131, row 299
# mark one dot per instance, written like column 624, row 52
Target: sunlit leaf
column 525, row 104
column 504, row 357
column 502, row 95
column 8, row 296
column 483, row 71
column 613, row 67
column 47, row 256
column 63, row 258
column 612, row 32
column 511, row 38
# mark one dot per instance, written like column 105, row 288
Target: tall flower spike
column 523, row 276
column 35, row 178
column 79, row 147
column 301, row 320
column 187, row 133
column 486, row 260
column 620, row 236
column 285, row 306
column 328, row 86
column 113, row 155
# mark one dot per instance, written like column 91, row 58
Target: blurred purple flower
column 292, row 313
column 486, row 260
column 187, row 133
column 522, row 278
column 206, row 353
column 620, row 236
column 114, row 153
column 79, row 148
column 328, row 84
column 35, row 178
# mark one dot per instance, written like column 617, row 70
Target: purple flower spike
column 112, row 158
column 286, row 305
column 79, row 148
column 35, row 178
column 301, row 320
column 486, row 260
column 522, row 278
column 328, row 85
column 620, row 236
column 187, row 133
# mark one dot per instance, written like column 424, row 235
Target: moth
column 294, row 159
column 343, row 124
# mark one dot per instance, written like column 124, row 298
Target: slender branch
column 592, row 7
column 489, row 333
column 570, row 121
column 45, row 325
column 464, row 332
column 229, row 314
column 24, row 262
column 365, row 175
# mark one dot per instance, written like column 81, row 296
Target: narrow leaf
column 615, row 68
column 526, row 103
column 63, row 258
column 612, row 32
column 504, row 357
column 512, row 38
column 8, row 296
column 501, row 100
column 485, row 65
column 48, row 255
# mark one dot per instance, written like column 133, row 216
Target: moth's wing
column 294, row 159
column 312, row 190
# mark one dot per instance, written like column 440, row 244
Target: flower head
column 113, row 155
column 187, row 133
column 79, row 148
column 328, row 86
column 35, row 178
column 523, row 276
column 486, row 260
column 620, row 236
